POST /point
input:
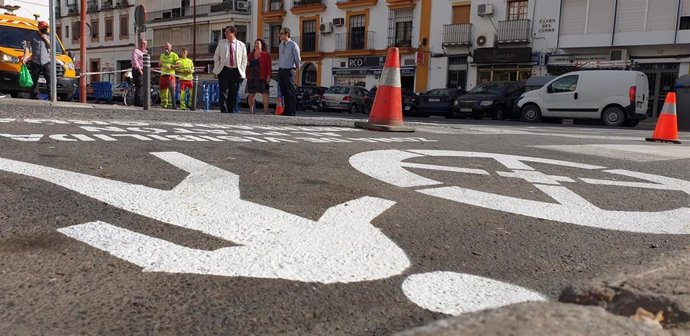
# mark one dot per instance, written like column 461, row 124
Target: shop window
column 275, row 38
column 517, row 10
column 75, row 32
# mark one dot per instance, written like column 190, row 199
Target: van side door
column 561, row 98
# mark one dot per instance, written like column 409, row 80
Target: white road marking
column 388, row 166
column 342, row 246
column 456, row 293
column 639, row 153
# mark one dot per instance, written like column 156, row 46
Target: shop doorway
column 662, row 78
column 506, row 72
column 457, row 72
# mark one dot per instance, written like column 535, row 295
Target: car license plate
column 434, row 100
column 407, row 108
column 41, row 80
column 465, row 109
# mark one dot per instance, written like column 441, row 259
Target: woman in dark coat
column 258, row 74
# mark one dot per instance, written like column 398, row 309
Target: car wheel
column 531, row 113
column 613, row 116
column 352, row 109
column 499, row 113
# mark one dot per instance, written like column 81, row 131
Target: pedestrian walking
column 229, row 66
column 138, row 71
column 288, row 64
column 258, row 74
column 166, row 84
column 38, row 45
column 185, row 71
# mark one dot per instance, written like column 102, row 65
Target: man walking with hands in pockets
column 288, row 64
column 229, row 65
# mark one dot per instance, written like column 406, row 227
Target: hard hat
column 42, row 24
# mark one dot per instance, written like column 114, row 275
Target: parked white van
column 616, row 97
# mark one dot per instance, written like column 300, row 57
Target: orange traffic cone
column 279, row 106
column 386, row 112
column 667, row 126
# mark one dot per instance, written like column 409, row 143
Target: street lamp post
column 53, row 63
column 82, row 53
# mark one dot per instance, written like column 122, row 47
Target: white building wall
column 441, row 13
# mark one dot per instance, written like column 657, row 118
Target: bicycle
column 129, row 95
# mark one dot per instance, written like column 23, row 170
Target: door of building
column 662, row 78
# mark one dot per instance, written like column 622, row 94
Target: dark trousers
column 36, row 70
column 286, row 81
column 138, row 87
column 229, row 81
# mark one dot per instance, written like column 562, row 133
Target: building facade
column 345, row 42
column 110, row 35
column 30, row 8
column 197, row 28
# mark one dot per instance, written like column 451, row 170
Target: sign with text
column 502, row 55
column 368, row 61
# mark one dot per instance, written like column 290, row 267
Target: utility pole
column 53, row 48
column 82, row 53
column 194, row 32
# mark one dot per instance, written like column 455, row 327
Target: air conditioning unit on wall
column 326, row 28
column 339, row 22
column 485, row 9
column 485, row 40
column 618, row 55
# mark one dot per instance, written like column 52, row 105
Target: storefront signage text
column 547, row 25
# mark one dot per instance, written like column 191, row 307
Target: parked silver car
column 346, row 98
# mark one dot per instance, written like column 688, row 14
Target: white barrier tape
column 103, row 72
column 158, row 71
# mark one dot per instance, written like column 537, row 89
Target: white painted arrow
column 342, row 246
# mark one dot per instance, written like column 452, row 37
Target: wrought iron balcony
column 308, row 43
column 72, row 9
column 404, row 42
column 219, row 8
column 354, row 41
column 457, row 34
column 273, row 6
column 107, row 4
column 123, row 3
column 513, row 31
column 92, row 6
column 308, row 2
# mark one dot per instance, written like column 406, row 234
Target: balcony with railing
column 354, row 41
column 308, row 44
column 400, row 42
column 92, row 6
column 457, row 34
column 347, row 4
column 308, row 6
column 273, row 11
column 240, row 7
column 106, row 4
column 514, row 31
column 72, row 9
column 273, row 6
column 123, row 3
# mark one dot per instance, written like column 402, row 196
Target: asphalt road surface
column 118, row 221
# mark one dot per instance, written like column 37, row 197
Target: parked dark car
column 439, row 101
column 304, row 95
column 494, row 99
column 410, row 103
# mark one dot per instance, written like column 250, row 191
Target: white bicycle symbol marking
column 388, row 166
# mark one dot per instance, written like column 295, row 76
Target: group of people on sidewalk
column 232, row 65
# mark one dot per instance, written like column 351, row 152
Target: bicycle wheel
column 129, row 97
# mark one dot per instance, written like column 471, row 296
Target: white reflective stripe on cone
column 390, row 77
column 668, row 109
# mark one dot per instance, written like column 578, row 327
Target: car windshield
column 492, row 88
column 338, row 90
column 13, row 37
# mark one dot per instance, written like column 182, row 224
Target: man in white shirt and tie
column 229, row 65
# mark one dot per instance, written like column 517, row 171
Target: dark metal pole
column 194, row 34
column 82, row 53
column 195, row 89
column 53, row 50
column 147, row 82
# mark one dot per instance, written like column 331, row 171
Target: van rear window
column 13, row 37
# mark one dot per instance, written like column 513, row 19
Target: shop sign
column 573, row 59
column 502, row 55
column 368, row 61
column 420, row 58
column 547, row 25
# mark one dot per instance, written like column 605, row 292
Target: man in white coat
column 229, row 65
